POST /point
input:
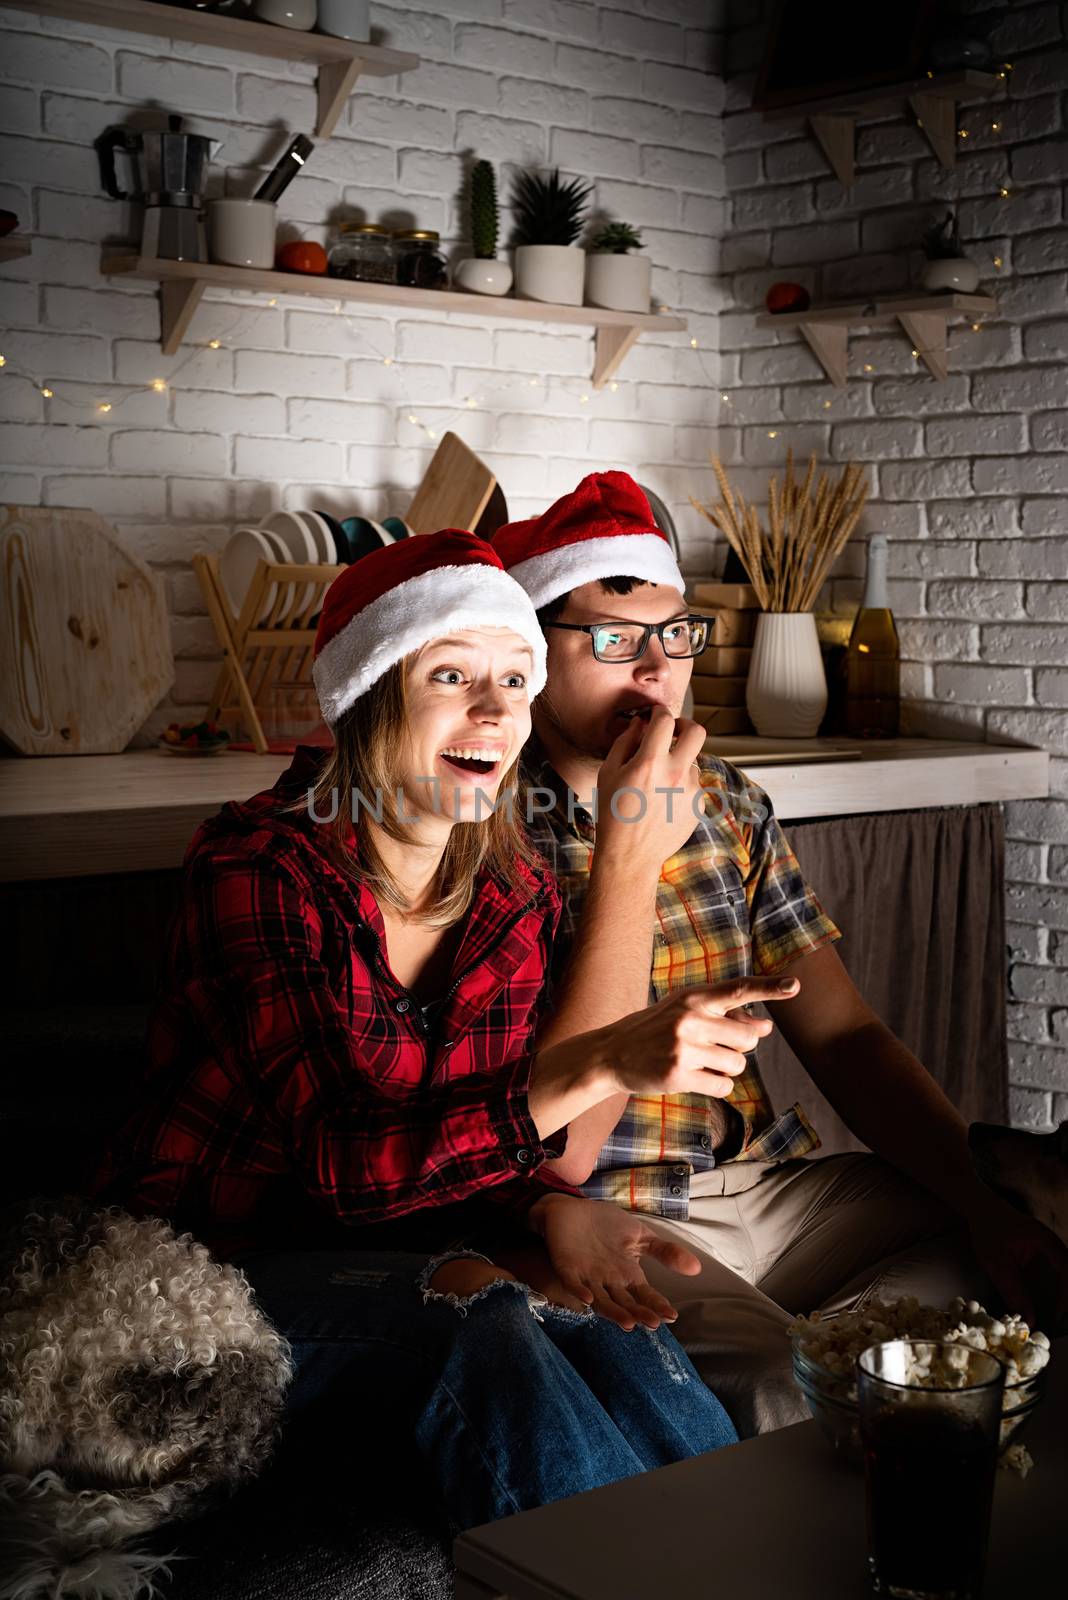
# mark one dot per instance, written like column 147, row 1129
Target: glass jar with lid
column 420, row 263
column 363, row 253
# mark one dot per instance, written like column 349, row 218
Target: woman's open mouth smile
column 473, row 761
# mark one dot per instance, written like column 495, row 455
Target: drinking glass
column 930, row 1411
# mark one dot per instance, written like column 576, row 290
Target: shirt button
column 676, row 1188
column 402, row 1006
column 680, row 1172
column 523, row 1156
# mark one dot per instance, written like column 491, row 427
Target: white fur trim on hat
column 435, row 603
column 631, row 555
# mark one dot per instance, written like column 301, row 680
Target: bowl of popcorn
column 826, row 1350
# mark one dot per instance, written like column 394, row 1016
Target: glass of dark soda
column 930, row 1411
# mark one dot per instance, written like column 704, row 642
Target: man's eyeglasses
column 627, row 641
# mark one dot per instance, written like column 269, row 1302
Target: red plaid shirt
column 293, row 1082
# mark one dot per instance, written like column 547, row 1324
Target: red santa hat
column 603, row 529
column 401, row 597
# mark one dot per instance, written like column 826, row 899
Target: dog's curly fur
column 138, row 1381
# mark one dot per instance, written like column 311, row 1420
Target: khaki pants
column 778, row 1239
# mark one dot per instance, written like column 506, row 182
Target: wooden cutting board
column 85, row 652
column 455, row 490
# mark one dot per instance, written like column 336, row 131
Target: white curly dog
column 138, row 1381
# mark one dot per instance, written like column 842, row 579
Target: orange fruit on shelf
column 302, row 255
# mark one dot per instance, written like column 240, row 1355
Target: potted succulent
column 549, row 216
column 614, row 278
column 947, row 267
column 482, row 273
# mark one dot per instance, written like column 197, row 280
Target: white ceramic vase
column 618, row 282
column 786, row 692
column 955, row 272
column 482, row 275
column 554, row 273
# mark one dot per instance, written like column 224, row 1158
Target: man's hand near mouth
column 646, row 791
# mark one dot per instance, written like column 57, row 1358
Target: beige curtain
column 920, row 899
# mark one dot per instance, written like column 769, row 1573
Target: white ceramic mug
column 346, row 19
column 241, row 232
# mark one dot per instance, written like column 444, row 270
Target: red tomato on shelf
column 302, row 255
column 787, row 297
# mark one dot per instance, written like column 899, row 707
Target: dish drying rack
column 268, row 647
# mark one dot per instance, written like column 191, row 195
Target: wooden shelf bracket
column 837, row 139
column 335, row 83
column 179, row 298
column 938, row 120
column 927, row 330
column 611, row 347
column 829, row 343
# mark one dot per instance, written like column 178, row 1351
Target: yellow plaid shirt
column 730, row 904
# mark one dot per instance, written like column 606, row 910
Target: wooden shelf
column 182, row 284
column 933, row 98
column 924, row 318
column 14, row 246
column 340, row 61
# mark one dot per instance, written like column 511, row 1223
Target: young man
column 776, row 1234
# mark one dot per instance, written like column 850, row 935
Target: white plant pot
column 786, row 693
column 554, row 273
column 618, row 282
column 956, row 273
column 479, row 275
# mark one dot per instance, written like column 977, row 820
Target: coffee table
column 779, row 1517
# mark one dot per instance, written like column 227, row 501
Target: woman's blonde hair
column 363, row 765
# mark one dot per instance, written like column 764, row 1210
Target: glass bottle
column 363, row 253
column 420, row 263
column 873, row 657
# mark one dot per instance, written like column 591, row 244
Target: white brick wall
column 969, row 476
column 297, row 407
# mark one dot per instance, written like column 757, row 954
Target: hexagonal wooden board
column 85, row 650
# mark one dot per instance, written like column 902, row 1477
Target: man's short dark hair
column 552, row 611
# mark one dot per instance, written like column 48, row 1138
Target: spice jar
column 420, row 263
column 364, row 253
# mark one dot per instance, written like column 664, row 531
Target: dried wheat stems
column 806, row 533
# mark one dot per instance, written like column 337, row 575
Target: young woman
column 343, row 1076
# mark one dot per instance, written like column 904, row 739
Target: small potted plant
column 549, row 216
column 614, row 278
column 947, row 267
column 482, row 273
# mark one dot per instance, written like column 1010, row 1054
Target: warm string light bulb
column 158, row 385
column 998, row 263
column 3, row 361
column 214, row 344
column 104, row 406
column 868, row 367
column 49, row 394
column 693, row 344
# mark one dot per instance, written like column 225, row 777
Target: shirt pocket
column 703, row 937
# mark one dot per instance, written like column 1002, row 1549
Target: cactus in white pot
column 615, row 279
column 482, row 273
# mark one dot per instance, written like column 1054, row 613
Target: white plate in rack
column 295, row 534
column 323, row 539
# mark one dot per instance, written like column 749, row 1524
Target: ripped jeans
column 511, row 1402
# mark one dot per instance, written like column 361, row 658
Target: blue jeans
column 512, row 1403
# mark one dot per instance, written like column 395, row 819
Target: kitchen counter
column 77, row 816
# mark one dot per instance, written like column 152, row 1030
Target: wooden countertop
column 75, row 816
